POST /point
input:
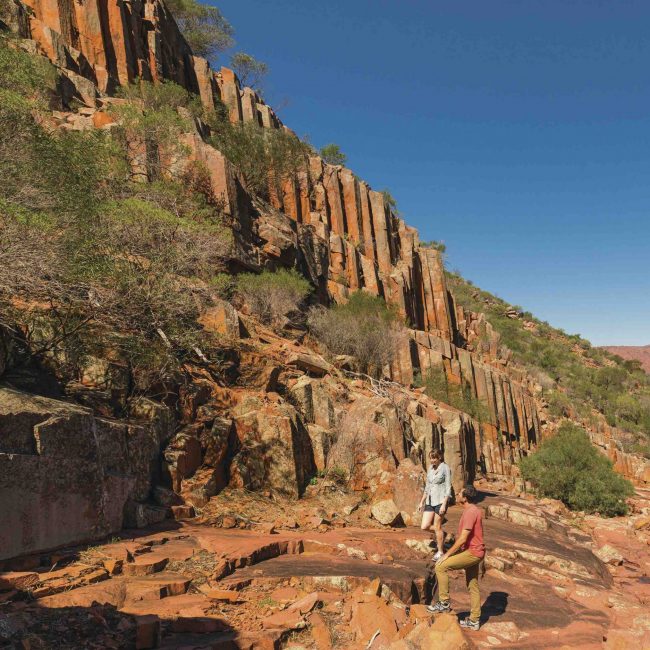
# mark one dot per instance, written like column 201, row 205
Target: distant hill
column 639, row 352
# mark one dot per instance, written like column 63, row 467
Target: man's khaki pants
column 470, row 563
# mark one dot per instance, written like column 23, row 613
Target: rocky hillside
column 639, row 353
column 115, row 326
column 223, row 362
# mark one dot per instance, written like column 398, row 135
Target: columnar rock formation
column 343, row 234
column 344, row 237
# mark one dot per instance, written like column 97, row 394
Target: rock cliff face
column 344, row 237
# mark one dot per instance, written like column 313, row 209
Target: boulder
column 222, row 319
column 313, row 401
column 275, row 450
column 369, row 442
column 183, row 456
column 55, row 474
column 407, row 490
column 443, row 634
column 386, row 512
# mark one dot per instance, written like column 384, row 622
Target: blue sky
column 516, row 131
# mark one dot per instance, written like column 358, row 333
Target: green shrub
column 107, row 264
column 569, row 468
column 435, row 245
column 332, row 154
column 265, row 157
column 151, row 123
column 437, row 387
column 365, row 328
column 271, row 296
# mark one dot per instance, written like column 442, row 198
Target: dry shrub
column 365, row 328
column 271, row 296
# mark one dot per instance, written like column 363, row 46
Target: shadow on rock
column 28, row 625
column 494, row 605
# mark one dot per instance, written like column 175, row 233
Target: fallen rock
column 386, row 512
column 443, row 634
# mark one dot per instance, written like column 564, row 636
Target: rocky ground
column 256, row 572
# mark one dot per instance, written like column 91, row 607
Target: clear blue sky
column 516, row 131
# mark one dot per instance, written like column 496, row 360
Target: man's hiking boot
column 469, row 624
column 440, row 607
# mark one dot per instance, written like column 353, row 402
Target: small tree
column 250, row 71
column 203, row 26
column 569, row 468
column 365, row 328
column 272, row 296
column 332, row 154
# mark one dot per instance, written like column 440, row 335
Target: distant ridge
column 639, row 352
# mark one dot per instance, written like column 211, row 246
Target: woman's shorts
column 436, row 509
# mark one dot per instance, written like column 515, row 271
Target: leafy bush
column 152, row 121
column 569, row 468
column 332, row 154
column 271, row 296
column 203, row 26
column 365, row 328
column 265, row 157
column 91, row 261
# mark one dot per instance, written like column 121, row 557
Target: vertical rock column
column 434, row 300
column 207, row 84
column 230, row 94
column 334, row 199
column 366, row 223
column 352, row 204
column 380, row 215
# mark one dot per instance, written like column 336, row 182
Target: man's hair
column 435, row 453
column 470, row 493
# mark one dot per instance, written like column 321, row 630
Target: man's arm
column 462, row 538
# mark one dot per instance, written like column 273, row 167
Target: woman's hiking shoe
column 469, row 624
column 439, row 607
column 437, row 556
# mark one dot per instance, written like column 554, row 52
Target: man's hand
column 443, row 558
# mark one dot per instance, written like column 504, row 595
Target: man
column 435, row 497
column 470, row 543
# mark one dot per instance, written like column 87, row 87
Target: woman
column 437, row 493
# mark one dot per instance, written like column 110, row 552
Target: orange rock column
column 334, row 199
column 230, row 94
column 379, row 212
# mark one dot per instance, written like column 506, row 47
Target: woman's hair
column 435, row 453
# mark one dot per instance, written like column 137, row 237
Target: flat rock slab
column 332, row 572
